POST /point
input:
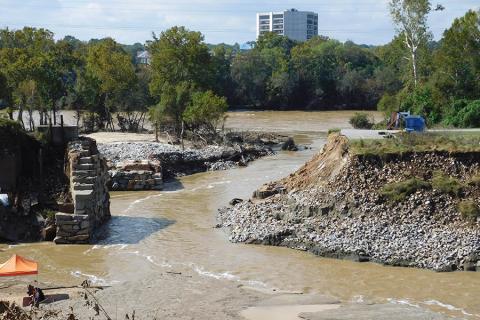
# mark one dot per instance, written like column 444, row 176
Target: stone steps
column 84, row 179
column 82, row 186
column 85, row 166
column 85, row 160
column 84, row 173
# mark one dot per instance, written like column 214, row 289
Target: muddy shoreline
column 207, row 298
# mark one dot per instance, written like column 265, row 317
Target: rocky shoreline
column 332, row 207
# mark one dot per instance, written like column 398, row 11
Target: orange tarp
column 18, row 266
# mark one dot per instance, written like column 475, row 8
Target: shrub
column 451, row 116
column 380, row 125
column 399, row 191
column 446, row 184
column 469, row 210
column 469, row 117
column 334, row 130
column 361, row 120
column 424, row 101
column 388, row 104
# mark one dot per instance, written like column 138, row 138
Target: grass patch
column 446, row 184
column 469, row 210
column 334, row 130
column 475, row 180
column 399, row 191
column 416, row 142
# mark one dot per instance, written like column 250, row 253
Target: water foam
column 226, row 275
column 92, row 278
column 151, row 259
column 446, row 306
column 138, row 201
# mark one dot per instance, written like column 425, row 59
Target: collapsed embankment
column 340, row 205
column 143, row 165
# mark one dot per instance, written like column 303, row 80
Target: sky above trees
column 229, row 21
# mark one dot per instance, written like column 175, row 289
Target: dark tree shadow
column 129, row 230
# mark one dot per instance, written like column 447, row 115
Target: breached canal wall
column 90, row 202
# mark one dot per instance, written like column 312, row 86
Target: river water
column 153, row 231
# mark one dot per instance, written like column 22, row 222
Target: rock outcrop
column 90, row 205
column 333, row 207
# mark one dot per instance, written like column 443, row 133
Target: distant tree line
column 189, row 84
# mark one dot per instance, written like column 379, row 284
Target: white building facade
column 296, row 25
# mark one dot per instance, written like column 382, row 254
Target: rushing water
column 151, row 231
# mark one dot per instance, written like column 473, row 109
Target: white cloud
column 362, row 21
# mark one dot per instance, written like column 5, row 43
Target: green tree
column 205, row 112
column 458, row 60
column 113, row 69
column 410, row 19
column 173, row 102
column 179, row 55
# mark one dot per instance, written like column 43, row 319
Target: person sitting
column 38, row 297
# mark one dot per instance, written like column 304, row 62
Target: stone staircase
column 91, row 202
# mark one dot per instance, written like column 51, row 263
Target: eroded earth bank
column 369, row 208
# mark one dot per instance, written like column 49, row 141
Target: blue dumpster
column 414, row 123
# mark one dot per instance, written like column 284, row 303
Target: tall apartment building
column 296, row 25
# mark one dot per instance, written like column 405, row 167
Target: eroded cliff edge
column 415, row 209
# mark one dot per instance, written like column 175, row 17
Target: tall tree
column 113, row 68
column 410, row 19
column 179, row 55
column 458, row 59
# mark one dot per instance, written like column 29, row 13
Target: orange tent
column 18, row 266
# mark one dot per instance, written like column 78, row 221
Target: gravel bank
column 332, row 207
column 177, row 162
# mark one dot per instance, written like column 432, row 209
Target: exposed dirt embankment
column 411, row 209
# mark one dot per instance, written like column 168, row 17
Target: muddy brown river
column 151, row 231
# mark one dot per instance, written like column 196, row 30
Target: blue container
column 414, row 123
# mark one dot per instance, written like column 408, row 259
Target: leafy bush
column 446, row 184
column 206, row 110
column 451, row 116
column 361, row 120
column 464, row 114
column 380, row 125
column 423, row 101
column 388, row 104
column 469, row 209
column 399, row 191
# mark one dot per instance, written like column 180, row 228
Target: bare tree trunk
column 54, row 113
column 156, row 131
column 20, row 115
column 31, row 123
column 181, row 134
column 414, row 65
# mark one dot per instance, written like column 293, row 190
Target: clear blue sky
column 129, row 21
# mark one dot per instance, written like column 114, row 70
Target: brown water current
column 153, row 231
